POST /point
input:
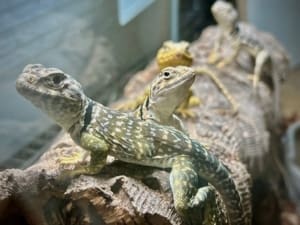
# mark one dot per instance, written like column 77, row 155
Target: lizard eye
column 56, row 79
column 166, row 74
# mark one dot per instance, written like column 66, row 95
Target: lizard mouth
column 24, row 87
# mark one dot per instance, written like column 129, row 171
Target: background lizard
column 227, row 18
column 104, row 131
column 239, row 39
column 177, row 54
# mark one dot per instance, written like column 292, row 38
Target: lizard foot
column 75, row 158
column 222, row 64
column 186, row 113
column 213, row 57
column 204, row 202
column 194, row 101
column 212, row 214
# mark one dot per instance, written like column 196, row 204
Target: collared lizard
column 177, row 54
column 104, row 131
column 166, row 92
column 227, row 19
column 239, row 39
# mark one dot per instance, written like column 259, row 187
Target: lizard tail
column 216, row 173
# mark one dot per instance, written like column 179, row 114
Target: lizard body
column 227, row 18
column 104, row 131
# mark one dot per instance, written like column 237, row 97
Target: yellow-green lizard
column 104, row 131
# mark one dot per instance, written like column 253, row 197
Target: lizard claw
column 75, row 158
column 213, row 58
column 222, row 64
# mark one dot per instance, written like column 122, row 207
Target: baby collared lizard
column 104, row 131
column 166, row 92
column 177, row 54
column 227, row 19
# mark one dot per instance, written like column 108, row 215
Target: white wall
column 280, row 17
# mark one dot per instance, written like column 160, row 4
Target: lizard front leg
column 184, row 108
column 99, row 150
column 214, row 55
column 189, row 199
column 260, row 61
column 228, row 60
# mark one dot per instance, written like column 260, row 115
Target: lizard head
column 54, row 92
column 174, row 54
column 225, row 14
column 170, row 87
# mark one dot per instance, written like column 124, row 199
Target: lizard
column 104, row 131
column 177, row 54
column 166, row 92
column 227, row 18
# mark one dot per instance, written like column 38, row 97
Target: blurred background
column 101, row 43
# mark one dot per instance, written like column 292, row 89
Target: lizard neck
column 159, row 112
column 84, row 119
column 229, row 28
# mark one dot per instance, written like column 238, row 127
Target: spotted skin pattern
column 102, row 131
